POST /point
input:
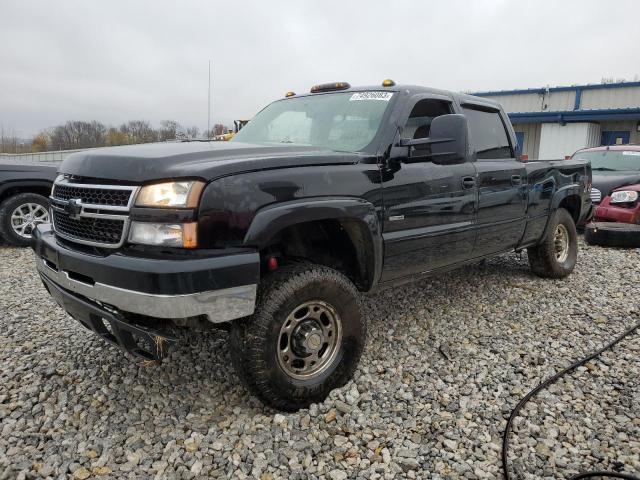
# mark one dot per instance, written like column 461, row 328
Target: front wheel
column 19, row 215
column 304, row 340
column 557, row 254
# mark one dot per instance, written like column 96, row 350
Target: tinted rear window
column 488, row 134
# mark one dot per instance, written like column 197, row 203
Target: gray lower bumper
column 218, row 305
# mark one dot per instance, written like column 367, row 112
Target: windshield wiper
column 604, row 169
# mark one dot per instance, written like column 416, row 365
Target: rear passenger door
column 502, row 180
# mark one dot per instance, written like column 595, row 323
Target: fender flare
column 562, row 193
column 367, row 236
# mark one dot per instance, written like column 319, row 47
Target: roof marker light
column 290, row 94
column 388, row 83
column 330, row 87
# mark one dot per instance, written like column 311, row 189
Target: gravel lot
column 446, row 361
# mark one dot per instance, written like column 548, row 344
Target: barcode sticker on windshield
column 627, row 152
column 383, row 96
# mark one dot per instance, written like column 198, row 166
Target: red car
column 621, row 206
column 612, row 167
column 615, row 194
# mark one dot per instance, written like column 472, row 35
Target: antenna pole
column 209, row 103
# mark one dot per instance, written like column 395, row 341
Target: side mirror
column 448, row 139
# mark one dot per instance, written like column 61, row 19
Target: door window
column 418, row 124
column 423, row 112
column 488, row 134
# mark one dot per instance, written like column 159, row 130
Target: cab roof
column 412, row 90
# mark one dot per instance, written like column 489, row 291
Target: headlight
column 181, row 235
column 624, row 196
column 170, row 195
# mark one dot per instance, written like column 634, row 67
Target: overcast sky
column 119, row 60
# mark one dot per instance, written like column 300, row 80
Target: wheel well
column 572, row 205
column 341, row 244
column 38, row 189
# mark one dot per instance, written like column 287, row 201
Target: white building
column 554, row 122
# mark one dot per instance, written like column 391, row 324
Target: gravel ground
column 446, row 361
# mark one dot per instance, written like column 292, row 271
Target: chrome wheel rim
column 26, row 216
column 561, row 243
column 309, row 339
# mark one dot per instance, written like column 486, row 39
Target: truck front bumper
column 221, row 286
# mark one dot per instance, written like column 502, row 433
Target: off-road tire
column 543, row 258
column 254, row 341
column 6, row 209
column 613, row 234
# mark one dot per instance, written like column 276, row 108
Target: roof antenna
column 209, row 104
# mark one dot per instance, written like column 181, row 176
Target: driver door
column 430, row 208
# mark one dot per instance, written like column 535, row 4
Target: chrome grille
column 93, row 196
column 91, row 214
column 98, row 230
column 596, row 195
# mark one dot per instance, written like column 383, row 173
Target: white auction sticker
column 627, row 152
column 383, row 96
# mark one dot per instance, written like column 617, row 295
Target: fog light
column 181, row 235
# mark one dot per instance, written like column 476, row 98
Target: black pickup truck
column 24, row 188
column 319, row 197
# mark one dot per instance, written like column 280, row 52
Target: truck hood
column 634, row 187
column 206, row 160
column 608, row 181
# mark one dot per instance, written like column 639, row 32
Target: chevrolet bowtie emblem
column 73, row 208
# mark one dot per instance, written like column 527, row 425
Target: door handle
column 516, row 180
column 468, row 182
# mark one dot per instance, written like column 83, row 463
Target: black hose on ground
column 546, row 383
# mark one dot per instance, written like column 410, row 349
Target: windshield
column 345, row 122
column 611, row 160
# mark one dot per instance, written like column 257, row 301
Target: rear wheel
column 304, row 340
column 19, row 215
column 557, row 254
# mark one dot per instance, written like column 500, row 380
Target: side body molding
column 357, row 216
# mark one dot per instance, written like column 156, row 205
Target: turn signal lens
column 179, row 235
column 190, row 235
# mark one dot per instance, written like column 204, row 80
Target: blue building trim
column 597, row 86
column 611, row 114
column 576, row 105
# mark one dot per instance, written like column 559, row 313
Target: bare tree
column 169, row 130
column 219, row 129
column 11, row 143
column 139, row 131
column 78, row 134
column 193, row 132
